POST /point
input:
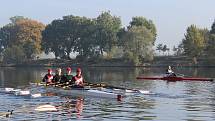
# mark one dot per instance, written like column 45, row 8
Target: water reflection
column 201, row 101
column 13, row 77
column 171, row 101
column 72, row 106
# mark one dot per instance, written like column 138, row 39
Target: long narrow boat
column 85, row 92
column 175, row 78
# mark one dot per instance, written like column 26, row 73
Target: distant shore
column 157, row 62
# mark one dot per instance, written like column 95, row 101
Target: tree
column 210, row 48
column 86, row 45
column 51, row 38
column 29, row 36
column 20, row 32
column 14, row 54
column 212, row 31
column 60, row 36
column 15, row 19
column 138, row 44
column 141, row 21
column 159, row 47
column 178, row 50
column 71, row 34
column 194, row 42
column 164, row 49
column 107, row 29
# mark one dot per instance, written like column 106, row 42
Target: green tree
column 71, row 34
column 14, row 54
column 141, row 21
column 51, row 38
column 164, row 49
column 86, row 44
column 212, row 31
column 194, row 42
column 159, row 47
column 138, row 44
column 211, row 46
column 210, row 49
column 60, row 36
column 107, row 29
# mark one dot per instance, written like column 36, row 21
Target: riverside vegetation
column 99, row 40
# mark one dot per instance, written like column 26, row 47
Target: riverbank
column 160, row 61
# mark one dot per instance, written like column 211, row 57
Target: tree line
column 198, row 42
column 100, row 37
column 95, row 38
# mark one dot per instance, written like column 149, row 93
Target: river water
column 167, row 101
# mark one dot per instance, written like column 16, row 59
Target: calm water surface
column 169, row 101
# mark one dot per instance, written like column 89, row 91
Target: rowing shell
column 175, row 78
column 84, row 92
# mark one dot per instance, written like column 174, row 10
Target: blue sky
column 171, row 17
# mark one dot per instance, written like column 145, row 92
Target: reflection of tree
column 202, row 102
column 195, row 72
column 15, row 77
column 2, row 79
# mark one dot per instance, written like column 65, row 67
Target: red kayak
column 175, row 78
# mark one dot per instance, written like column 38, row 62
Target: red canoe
column 175, row 78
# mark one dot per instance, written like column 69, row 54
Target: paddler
column 169, row 72
column 48, row 77
column 78, row 79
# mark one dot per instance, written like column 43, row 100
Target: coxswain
column 48, row 77
column 78, row 79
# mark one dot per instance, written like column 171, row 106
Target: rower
column 58, row 76
column 67, row 78
column 48, row 77
column 169, row 72
column 78, row 79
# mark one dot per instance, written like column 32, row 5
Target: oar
column 120, row 88
column 94, row 85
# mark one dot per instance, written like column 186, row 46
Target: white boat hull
column 84, row 92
